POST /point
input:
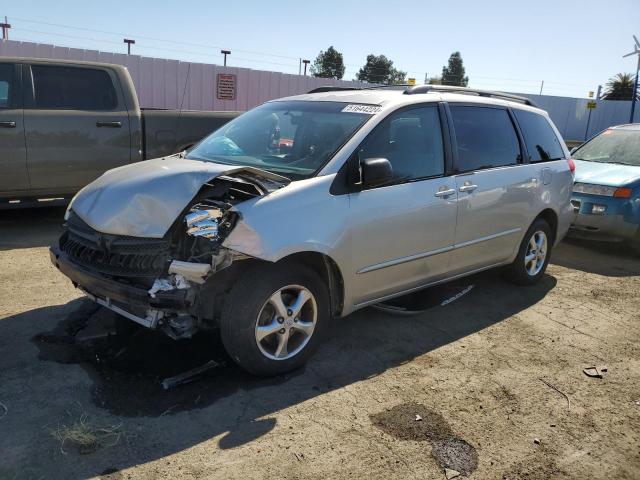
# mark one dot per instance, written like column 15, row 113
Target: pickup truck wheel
column 533, row 256
column 274, row 318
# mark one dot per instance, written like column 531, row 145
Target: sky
column 571, row 45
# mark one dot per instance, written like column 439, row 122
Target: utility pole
column 541, row 86
column 299, row 66
column 636, row 51
column 129, row 42
column 306, row 62
column 225, row 53
column 5, row 29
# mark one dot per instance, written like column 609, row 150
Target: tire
column 253, row 297
column 522, row 272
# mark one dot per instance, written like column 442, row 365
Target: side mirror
column 375, row 172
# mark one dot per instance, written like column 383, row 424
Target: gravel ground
column 491, row 385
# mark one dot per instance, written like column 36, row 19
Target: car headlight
column 601, row 190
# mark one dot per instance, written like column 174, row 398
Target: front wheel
column 533, row 256
column 274, row 317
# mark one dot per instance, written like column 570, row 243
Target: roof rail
column 330, row 88
column 465, row 90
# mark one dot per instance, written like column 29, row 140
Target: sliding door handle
column 7, row 124
column 109, row 124
column 445, row 192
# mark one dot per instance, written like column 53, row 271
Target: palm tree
column 620, row 87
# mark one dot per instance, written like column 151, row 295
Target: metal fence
column 571, row 115
column 162, row 83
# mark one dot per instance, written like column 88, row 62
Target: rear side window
column 412, row 142
column 541, row 141
column 6, row 85
column 72, row 88
column 486, row 138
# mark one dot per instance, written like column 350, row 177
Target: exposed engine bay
column 165, row 283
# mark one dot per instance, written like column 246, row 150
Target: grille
column 116, row 255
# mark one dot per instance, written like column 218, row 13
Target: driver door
column 403, row 232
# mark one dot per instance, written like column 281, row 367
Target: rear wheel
column 533, row 256
column 274, row 318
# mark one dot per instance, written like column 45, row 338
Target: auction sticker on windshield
column 368, row 109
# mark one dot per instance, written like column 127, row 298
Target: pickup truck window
column 73, row 88
column 6, row 85
column 291, row 138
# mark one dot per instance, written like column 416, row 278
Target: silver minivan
column 308, row 208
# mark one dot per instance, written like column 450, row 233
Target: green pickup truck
column 64, row 123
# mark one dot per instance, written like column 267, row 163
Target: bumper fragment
column 115, row 295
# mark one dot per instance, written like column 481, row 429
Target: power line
column 349, row 68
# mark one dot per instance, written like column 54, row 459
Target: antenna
column 636, row 51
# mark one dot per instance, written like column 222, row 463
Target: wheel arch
column 327, row 269
column 551, row 217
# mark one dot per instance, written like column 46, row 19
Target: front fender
column 302, row 217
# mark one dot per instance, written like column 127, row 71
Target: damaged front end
column 165, row 283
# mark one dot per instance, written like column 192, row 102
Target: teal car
column 606, row 192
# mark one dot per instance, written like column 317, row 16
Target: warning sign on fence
column 226, row 86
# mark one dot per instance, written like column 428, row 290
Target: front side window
column 290, row 138
column 541, row 141
column 612, row 146
column 72, row 88
column 6, row 85
column 486, row 138
column 412, row 142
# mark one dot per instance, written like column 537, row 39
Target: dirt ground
column 490, row 385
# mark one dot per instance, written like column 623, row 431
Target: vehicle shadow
column 42, row 381
column 602, row 258
column 30, row 227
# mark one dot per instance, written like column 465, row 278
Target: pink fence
column 160, row 83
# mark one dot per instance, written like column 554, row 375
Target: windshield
column 612, row 146
column 294, row 138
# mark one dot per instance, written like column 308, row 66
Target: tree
column 328, row 64
column 379, row 69
column 453, row 74
column 620, row 87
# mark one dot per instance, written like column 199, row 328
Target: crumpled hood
column 143, row 199
column 609, row 174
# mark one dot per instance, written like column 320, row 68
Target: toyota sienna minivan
column 307, row 208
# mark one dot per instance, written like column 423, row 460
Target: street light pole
column 129, row 42
column 635, row 92
column 5, row 29
column 306, row 62
column 636, row 51
column 225, row 53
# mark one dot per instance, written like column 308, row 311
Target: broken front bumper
column 132, row 302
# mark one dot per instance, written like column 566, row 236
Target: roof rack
column 470, row 91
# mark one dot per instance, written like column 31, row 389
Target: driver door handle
column 467, row 187
column 109, row 124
